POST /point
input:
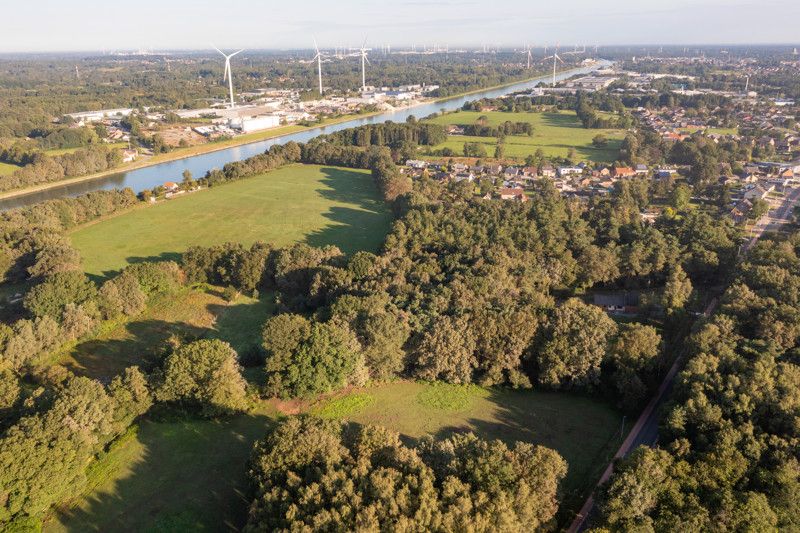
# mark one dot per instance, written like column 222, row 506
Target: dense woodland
column 729, row 458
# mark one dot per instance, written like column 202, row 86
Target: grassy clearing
column 318, row 205
column 344, row 406
column 189, row 314
column 172, row 475
column 6, row 169
column 190, row 475
column 583, row 430
column 555, row 133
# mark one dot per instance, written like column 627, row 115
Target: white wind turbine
column 555, row 58
column 318, row 57
column 530, row 55
column 364, row 61
column 228, row 72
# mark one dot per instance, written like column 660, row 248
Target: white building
column 251, row 124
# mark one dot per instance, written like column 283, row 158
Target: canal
column 149, row 177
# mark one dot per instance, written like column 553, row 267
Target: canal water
column 198, row 165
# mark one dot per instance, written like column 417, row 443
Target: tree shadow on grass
column 142, row 345
column 179, row 474
column 361, row 227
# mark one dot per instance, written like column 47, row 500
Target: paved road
column 780, row 213
column 645, row 431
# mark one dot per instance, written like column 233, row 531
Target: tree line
column 41, row 168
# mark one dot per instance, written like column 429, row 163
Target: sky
column 97, row 25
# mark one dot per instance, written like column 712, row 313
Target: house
column 641, row 170
column 171, row 186
column 623, row 172
column 511, row 172
column 414, row 163
column 741, row 210
column 516, row 194
column 625, row 302
column 529, row 172
column 547, row 171
column 129, row 155
column 569, row 171
column 494, row 169
column 758, row 192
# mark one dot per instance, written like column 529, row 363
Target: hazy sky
column 54, row 25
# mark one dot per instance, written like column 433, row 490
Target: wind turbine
column 364, row 61
column 555, row 58
column 228, row 72
column 318, row 57
column 530, row 56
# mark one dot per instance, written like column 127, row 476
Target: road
column 645, row 431
column 780, row 213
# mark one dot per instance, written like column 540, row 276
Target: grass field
column 190, row 313
column 190, row 475
column 6, row 169
column 318, row 205
column 555, row 133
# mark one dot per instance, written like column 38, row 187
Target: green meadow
column 314, row 204
column 554, row 132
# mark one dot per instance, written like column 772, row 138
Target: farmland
column 317, row 205
column 198, row 467
column 554, row 133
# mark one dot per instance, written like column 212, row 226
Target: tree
column 446, row 351
column 759, row 209
column 677, row 290
column 204, row 374
column 632, row 359
column 575, row 342
column 9, row 389
column 50, row 297
column 56, row 257
column 305, row 359
column 600, row 141
column 680, row 197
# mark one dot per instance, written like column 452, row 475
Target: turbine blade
column 218, row 50
column 237, row 52
column 315, row 45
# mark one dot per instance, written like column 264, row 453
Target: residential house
column 624, row 302
column 129, row 155
column 515, row 194
column 569, row 171
column 641, row 170
column 547, row 171
column 623, row 172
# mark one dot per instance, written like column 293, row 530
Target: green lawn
column 555, row 133
column 6, row 169
column 318, row 205
column 190, row 475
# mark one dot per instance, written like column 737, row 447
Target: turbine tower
column 530, row 56
column 555, row 57
column 318, row 57
column 364, row 61
column 228, row 76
